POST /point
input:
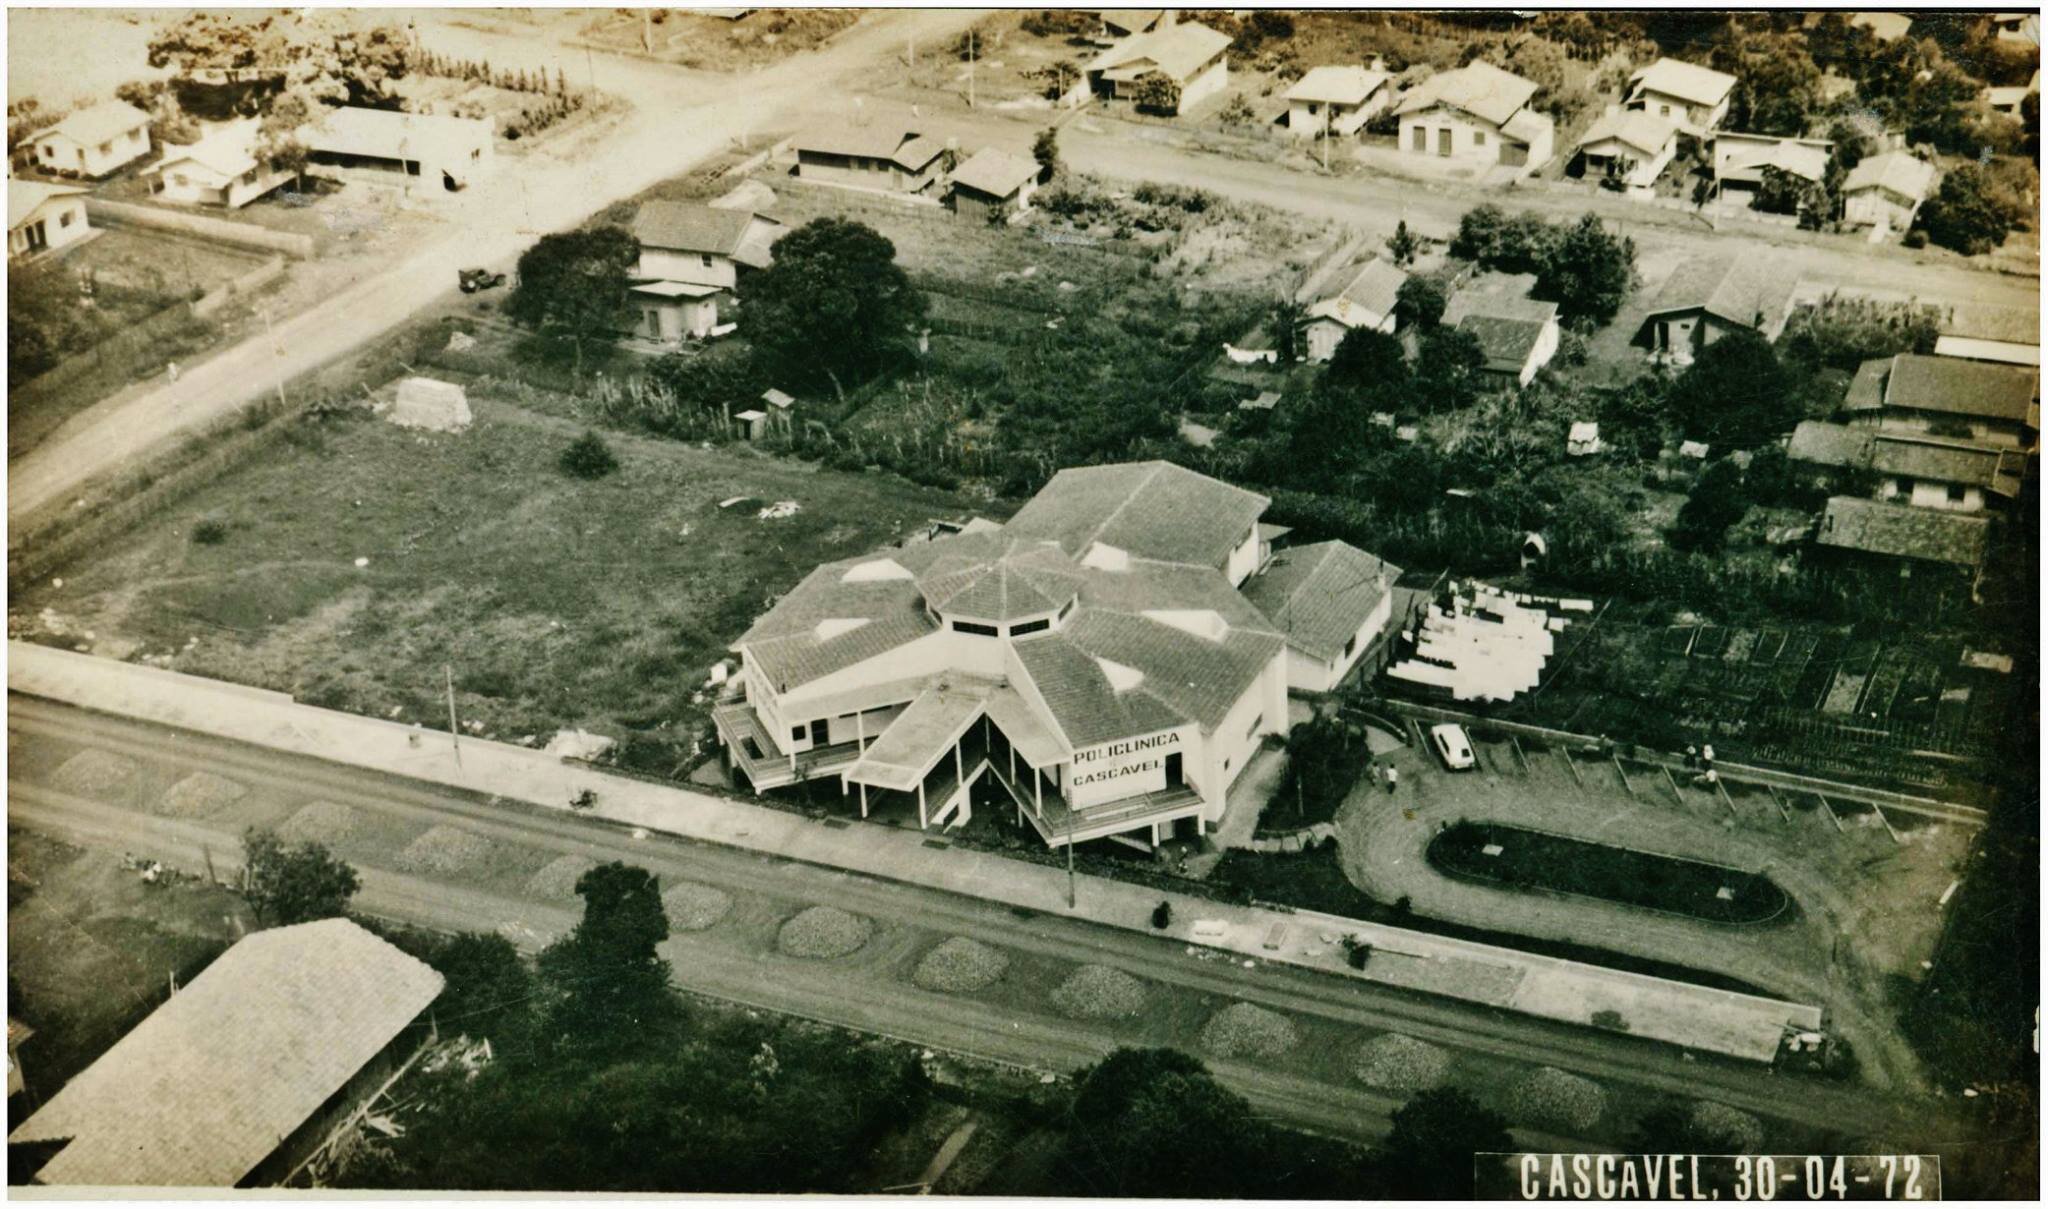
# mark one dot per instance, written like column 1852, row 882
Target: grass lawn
column 1514, row 856
column 555, row 602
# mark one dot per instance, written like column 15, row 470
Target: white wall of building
column 62, row 153
column 1207, row 83
column 693, row 268
column 62, row 221
column 1244, row 559
column 1470, row 140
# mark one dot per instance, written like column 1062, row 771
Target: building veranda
column 1099, row 657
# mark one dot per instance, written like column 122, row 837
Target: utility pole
column 1070, row 870
column 454, row 732
column 970, row 67
column 276, row 350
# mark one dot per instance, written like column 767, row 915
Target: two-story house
column 1336, row 100
column 691, row 256
column 93, row 141
column 1690, row 97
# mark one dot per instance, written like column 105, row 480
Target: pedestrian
column 1707, row 757
column 1393, row 777
column 172, row 371
column 1692, row 756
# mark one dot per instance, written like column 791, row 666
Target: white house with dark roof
column 1706, row 298
column 1517, row 335
column 94, row 141
column 1630, row 145
column 1691, row 97
column 1904, row 538
column 1926, row 472
column 1335, row 100
column 1365, row 301
column 43, row 217
column 887, row 158
column 1331, row 601
column 238, row 1077
column 1887, row 190
column 1099, row 656
column 1982, row 331
column 691, row 256
column 1193, row 56
column 1477, row 114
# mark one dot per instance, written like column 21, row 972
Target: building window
column 1350, row 644
column 1479, row 138
column 1253, row 729
column 705, row 258
column 64, row 219
column 106, row 148
column 796, row 734
column 1957, row 493
column 975, row 627
column 1029, row 627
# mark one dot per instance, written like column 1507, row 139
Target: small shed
column 430, row 404
column 1694, row 450
column 1584, row 439
column 754, row 422
column 1266, row 400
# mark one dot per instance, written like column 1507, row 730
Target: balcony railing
column 1057, row 820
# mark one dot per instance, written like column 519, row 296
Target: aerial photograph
column 1270, row 603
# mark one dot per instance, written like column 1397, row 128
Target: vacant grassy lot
column 554, row 601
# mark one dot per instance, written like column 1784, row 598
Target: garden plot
column 695, row 907
column 199, row 796
column 960, row 965
column 93, row 773
column 823, row 933
column 1100, row 993
column 1399, row 1063
column 1743, row 1131
column 1246, row 1030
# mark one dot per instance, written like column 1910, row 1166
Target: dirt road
column 678, row 118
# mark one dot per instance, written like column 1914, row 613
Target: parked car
column 473, row 280
column 1452, row 745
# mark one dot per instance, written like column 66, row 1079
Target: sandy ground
column 64, row 56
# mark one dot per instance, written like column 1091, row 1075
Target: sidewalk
column 1701, row 1018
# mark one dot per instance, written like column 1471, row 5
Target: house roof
column 1130, row 20
column 227, row 152
column 24, row 198
column 1505, row 341
column 1903, row 531
column 1018, row 579
column 1895, row 171
column 1866, row 389
column 208, row 1084
column 1886, row 25
column 1963, row 387
column 1498, row 296
column 1804, row 158
column 676, row 289
column 96, row 124
column 1689, row 82
column 1154, row 510
column 1320, row 595
column 1635, row 128
column 1995, row 470
column 1990, row 321
column 1366, row 299
column 1526, row 126
column 1177, row 50
column 1478, row 88
column 387, row 134
column 1334, row 85
column 907, row 148
column 995, row 172
column 1735, row 288
column 690, row 227
column 1825, row 444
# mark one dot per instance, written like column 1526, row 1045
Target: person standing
column 1393, row 778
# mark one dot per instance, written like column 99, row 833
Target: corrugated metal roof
column 1334, row 85
column 1740, row 289
column 1897, row 171
column 206, row 1087
column 96, row 124
column 1319, row 595
column 995, row 172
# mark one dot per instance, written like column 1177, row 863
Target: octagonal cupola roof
column 1009, row 581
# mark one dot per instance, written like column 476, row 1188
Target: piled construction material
column 823, row 932
column 960, row 965
column 320, row 823
column 1478, row 644
column 1550, row 1099
column 430, row 404
column 1396, row 1062
column 444, row 849
column 1246, row 1030
column 199, row 796
column 557, row 879
column 1100, row 993
column 693, row 906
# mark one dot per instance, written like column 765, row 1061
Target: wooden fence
column 200, row 226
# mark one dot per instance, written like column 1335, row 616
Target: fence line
column 238, row 234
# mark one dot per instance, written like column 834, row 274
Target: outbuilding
column 1706, row 298
column 993, row 183
column 442, row 152
column 887, row 158
column 1887, row 190
column 221, row 169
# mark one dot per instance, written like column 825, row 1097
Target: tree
column 1736, row 393
column 1402, row 245
column 1782, row 192
column 1963, row 215
column 291, row 884
column 1420, row 302
column 230, row 46
column 1587, row 272
column 1289, row 329
column 1155, row 92
column 588, row 457
column 1447, row 368
column 1672, row 1127
column 1155, row 1123
column 1714, row 505
column 1492, row 238
column 606, row 976
column 1428, row 1153
column 1046, row 150
column 835, row 303
column 1777, row 83
column 572, row 285
column 1367, row 360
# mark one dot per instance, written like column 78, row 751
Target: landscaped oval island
column 1539, row 860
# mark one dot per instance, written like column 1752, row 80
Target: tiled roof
column 1194, row 679
column 1896, row 171
column 1086, row 707
column 1990, row 321
column 1937, row 461
column 688, row 227
column 1130, row 20
column 1505, row 341
column 995, row 172
column 1025, row 579
column 1804, row 158
column 1319, row 595
column 206, row 1087
column 1689, row 82
column 1866, row 389
column 1367, row 298
column 23, row 197
column 905, row 147
column 1963, row 387
column 1825, row 444
column 1645, row 132
column 1177, row 50
column 1903, row 531
column 1333, row 85
column 1740, row 289
column 790, row 649
column 1154, row 510
column 96, row 124
column 1480, row 89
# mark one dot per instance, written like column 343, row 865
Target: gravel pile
column 444, row 849
column 201, row 795
column 1744, row 1132
column 960, row 965
column 1246, row 1030
column 320, row 823
column 1548, row 1098
column 92, row 773
column 1099, row 993
column 694, row 906
column 823, row 932
column 557, row 879
column 1395, row 1062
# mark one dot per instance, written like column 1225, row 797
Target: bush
column 1916, row 239
column 210, row 532
column 588, row 457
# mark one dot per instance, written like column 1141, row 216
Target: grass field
column 554, row 602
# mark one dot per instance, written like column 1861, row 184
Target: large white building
column 1100, row 656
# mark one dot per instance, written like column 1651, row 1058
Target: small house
column 1517, row 336
column 43, row 217
column 444, row 153
column 1628, row 146
column 886, row 158
column 1478, row 114
column 1926, row 472
column 702, row 245
column 1691, row 97
column 93, row 141
column 221, row 169
column 1905, row 541
column 1583, row 440
column 1707, row 297
column 1113, row 25
column 240, row 1078
column 1331, row 601
column 753, row 422
column 1980, row 401
column 669, row 312
column 1365, row 301
column 1886, row 190
column 1333, row 100
column 2010, row 335
column 1191, row 56
column 994, row 183
column 1740, row 161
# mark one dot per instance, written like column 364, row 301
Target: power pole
column 1070, row 871
column 970, row 67
column 454, row 732
column 276, row 350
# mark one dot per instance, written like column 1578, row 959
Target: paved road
column 678, row 118
column 736, row 960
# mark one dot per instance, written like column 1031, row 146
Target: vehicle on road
column 1452, row 746
column 473, row 280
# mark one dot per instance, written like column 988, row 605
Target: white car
column 1452, row 746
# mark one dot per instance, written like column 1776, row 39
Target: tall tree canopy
column 835, row 304
column 608, row 978
column 1154, row 1122
column 294, row 883
column 1428, row 1154
column 572, row 285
